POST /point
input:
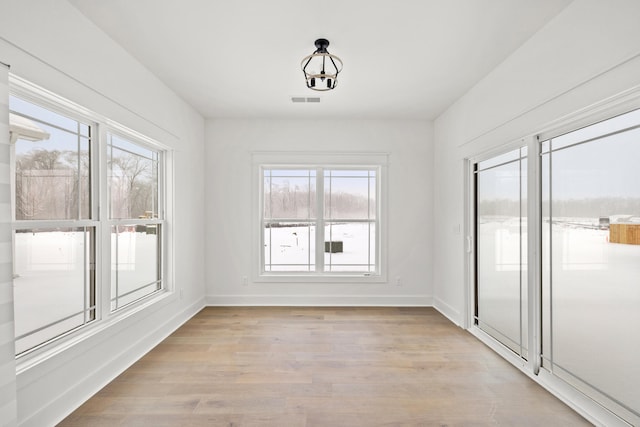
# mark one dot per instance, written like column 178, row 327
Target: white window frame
column 146, row 143
column 326, row 161
column 101, row 222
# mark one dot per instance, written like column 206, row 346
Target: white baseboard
column 321, row 300
column 130, row 352
column 448, row 311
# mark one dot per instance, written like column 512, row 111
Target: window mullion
column 319, row 220
column 369, row 218
column 379, row 185
column 534, row 259
column 104, row 233
column 263, row 221
column 87, row 266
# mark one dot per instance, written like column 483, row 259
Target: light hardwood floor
column 286, row 367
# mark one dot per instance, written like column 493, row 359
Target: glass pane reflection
column 592, row 258
column 54, row 288
column 135, row 264
column 501, row 252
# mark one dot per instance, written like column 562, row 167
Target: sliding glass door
column 584, row 303
column 501, row 244
column 591, row 261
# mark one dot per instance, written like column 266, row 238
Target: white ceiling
column 241, row 58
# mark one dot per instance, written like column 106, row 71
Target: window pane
column 349, row 246
column 266, row 196
column 592, row 294
column 133, row 180
column 54, row 285
column 131, row 147
column 288, row 173
column 135, row 263
column 596, row 130
column 52, row 165
column 509, row 157
column 84, row 183
column 373, row 205
column 373, row 257
column 344, row 173
column 289, row 246
column 42, row 114
column 347, row 197
column 289, row 197
column 501, row 251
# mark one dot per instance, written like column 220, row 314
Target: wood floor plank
column 316, row 366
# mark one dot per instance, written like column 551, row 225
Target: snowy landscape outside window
column 135, row 221
column 54, row 223
column 591, row 260
column 87, row 200
column 320, row 220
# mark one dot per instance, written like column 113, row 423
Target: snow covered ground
column 51, row 282
column 285, row 246
column 595, row 288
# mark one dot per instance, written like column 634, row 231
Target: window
column 320, row 220
column 501, row 249
column 72, row 218
column 54, row 222
column 136, row 227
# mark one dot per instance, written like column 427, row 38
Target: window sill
column 73, row 339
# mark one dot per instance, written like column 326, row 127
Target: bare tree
column 44, row 185
column 133, row 186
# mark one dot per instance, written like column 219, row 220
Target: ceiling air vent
column 302, row 99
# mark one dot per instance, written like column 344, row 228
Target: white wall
column 588, row 53
column 51, row 44
column 229, row 216
column 8, row 407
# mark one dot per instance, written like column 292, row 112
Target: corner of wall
column 448, row 311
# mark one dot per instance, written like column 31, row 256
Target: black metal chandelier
column 321, row 68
